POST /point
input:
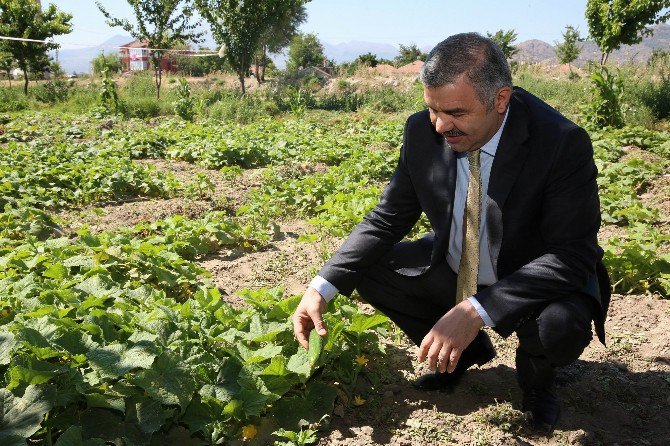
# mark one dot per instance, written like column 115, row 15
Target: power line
column 188, row 53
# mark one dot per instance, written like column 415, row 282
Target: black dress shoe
column 480, row 351
column 541, row 408
column 536, row 375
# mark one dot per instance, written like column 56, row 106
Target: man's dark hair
column 474, row 55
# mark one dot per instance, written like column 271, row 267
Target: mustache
column 452, row 133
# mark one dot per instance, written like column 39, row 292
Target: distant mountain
column 539, row 51
column 79, row 60
column 534, row 51
column 349, row 51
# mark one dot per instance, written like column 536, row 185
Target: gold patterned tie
column 468, row 269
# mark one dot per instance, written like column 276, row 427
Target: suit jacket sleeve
column 569, row 221
column 393, row 217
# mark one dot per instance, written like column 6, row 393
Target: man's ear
column 502, row 99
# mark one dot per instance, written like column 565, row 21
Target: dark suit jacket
column 543, row 214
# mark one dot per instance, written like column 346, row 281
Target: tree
column 56, row 69
column 6, row 63
column 161, row 24
column 104, row 62
column 239, row 26
column 305, row 50
column 409, row 54
column 613, row 23
column 505, row 39
column 26, row 19
column 568, row 51
column 278, row 36
column 367, row 59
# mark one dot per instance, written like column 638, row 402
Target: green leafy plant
column 109, row 98
column 605, row 106
column 184, row 105
column 304, row 437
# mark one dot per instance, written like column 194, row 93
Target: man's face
column 458, row 114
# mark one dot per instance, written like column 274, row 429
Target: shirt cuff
column 326, row 289
column 482, row 312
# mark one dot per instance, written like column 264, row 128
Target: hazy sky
column 424, row 22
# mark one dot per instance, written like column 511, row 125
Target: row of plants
column 78, row 162
column 75, row 174
column 119, row 337
column 638, row 258
column 219, row 144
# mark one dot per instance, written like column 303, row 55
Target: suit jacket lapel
column 443, row 179
column 507, row 164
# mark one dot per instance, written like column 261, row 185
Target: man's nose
column 443, row 124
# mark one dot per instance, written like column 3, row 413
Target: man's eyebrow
column 450, row 111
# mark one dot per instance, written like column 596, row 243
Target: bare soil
column 231, row 191
column 128, row 214
column 619, row 394
column 286, row 262
column 228, row 195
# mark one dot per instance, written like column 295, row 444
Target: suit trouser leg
column 414, row 303
column 555, row 337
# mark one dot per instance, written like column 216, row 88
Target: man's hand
column 445, row 342
column 308, row 315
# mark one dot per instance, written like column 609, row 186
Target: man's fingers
column 443, row 357
column 432, row 354
column 315, row 315
column 423, row 348
column 454, row 357
column 301, row 330
column 302, row 339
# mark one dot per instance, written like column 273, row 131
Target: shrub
column 183, row 106
column 52, row 92
column 139, row 85
column 242, row 110
column 11, row 100
column 656, row 96
column 141, row 108
column 389, row 100
column 605, row 107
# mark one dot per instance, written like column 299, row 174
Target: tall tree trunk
column 257, row 71
column 9, row 77
column 240, row 74
column 25, row 81
column 243, row 72
column 265, row 57
column 158, row 75
column 603, row 59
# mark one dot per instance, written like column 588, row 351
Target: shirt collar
column 491, row 146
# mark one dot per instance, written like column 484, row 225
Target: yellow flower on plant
column 246, row 244
column 249, row 432
column 361, row 360
column 358, row 401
